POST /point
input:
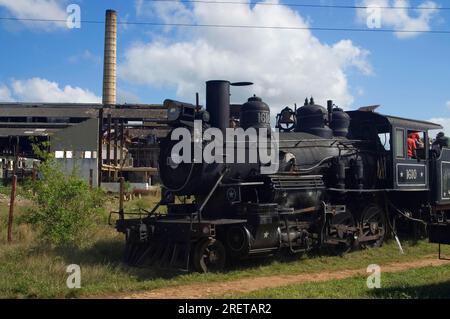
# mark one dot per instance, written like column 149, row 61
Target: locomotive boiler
column 334, row 180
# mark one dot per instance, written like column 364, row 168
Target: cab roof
column 381, row 119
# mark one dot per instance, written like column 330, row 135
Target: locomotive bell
column 255, row 113
column 286, row 116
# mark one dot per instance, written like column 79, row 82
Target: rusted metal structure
column 11, row 207
column 106, row 141
column 81, row 134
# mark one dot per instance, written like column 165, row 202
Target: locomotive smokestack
column 218, row 103
column 330, row 110
column 110, row 55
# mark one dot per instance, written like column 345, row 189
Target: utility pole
column 11, row 207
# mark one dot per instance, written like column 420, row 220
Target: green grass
column 426, row 282
column 29, row 269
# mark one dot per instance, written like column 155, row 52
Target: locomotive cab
column 416, row 178
column 397, row 169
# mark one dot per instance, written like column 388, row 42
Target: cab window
column 416, row 144
column 399, row 143
column 385, row 140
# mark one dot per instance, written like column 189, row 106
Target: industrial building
column 100, row 142
column 78, row 135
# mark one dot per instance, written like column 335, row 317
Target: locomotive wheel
column 339, row 223
column 373, row 223
column 237, row 241
column 209, row 256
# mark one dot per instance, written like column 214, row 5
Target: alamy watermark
column 73, row 20
column 373, row 20
column 249, row 146
column 374, row 279
column 74, row 279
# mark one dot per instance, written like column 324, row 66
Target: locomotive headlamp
column 206, row 230
column 173, row 113
column 179, row 111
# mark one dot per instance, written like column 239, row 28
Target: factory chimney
column 109, row 59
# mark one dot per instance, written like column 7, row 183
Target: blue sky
column 408, row 76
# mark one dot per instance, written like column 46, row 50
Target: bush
column 66, row 207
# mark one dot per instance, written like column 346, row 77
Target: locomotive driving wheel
column 237, row 241
column 209, row 256
column 338, row 232
column 372, row 227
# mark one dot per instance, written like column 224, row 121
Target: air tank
column 312, row 119
column 255, row 113
column 340, row 122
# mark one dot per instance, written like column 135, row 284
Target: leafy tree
column 66, row 207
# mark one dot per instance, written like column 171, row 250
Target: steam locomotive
column 344, row 180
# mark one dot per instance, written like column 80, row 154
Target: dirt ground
column 205, row 290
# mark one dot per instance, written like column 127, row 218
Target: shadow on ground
column 110, row 253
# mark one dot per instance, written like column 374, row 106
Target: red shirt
column 411, row 146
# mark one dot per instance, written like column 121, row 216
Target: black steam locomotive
column 344, row 180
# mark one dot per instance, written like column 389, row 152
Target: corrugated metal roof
column 15, row 117
column 82, row 110
column 44, row 111
column 75, row 105
column 5, row 132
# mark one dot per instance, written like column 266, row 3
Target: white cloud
column 286, row 66
column 445, row 122
column 5, row 94
column 167, row 12
column 37, row 9
column 400, row 19
column 42, row 90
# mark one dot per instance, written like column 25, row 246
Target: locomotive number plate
column 411, row 174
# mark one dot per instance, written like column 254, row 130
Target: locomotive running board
column 305, row 182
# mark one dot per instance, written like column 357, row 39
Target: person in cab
column 412, row 145
column 440, row 142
